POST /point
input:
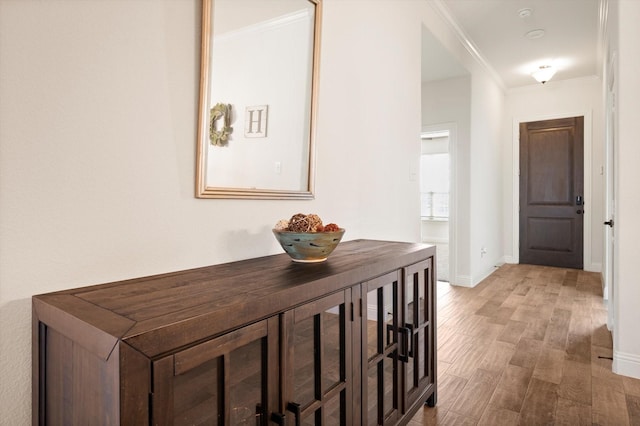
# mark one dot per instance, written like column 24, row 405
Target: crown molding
column 466, row 41
column 601, row 48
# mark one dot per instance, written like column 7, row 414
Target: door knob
column 609, row 222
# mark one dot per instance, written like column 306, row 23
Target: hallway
column 528, row 346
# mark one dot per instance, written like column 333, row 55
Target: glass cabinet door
column 317, row 358
column 380, row 351
column 419, row 316
column 225, row 381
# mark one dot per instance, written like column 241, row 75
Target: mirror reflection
column 259, row 61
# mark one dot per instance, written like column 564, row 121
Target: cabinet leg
column 432, row 400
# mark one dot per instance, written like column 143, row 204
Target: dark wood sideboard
column 263, row 341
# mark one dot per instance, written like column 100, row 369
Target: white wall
column 435, row 231
column 449, row 101
column 370, row 115
column 558, row 99
column 485, row 160
column 626, row 343
column 445, row 101
column 476, row 104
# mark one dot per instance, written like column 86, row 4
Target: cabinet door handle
column 295, row 409
column 409, row 328
column 278, row 418
column 404, row 355
column 390, row 329
column 258, row 414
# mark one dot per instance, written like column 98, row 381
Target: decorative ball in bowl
column 307, row 242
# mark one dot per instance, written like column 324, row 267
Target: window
column 434, row 186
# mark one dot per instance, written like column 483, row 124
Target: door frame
column 611, row 131
column 452, row 128
column 586, row 233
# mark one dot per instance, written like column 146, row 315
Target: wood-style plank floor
column 528, row 346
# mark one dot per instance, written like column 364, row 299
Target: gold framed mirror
column 258, row 96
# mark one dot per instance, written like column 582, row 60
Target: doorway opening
column 435, row 196
column 445, row 107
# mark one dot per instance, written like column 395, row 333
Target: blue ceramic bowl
column 308, row 247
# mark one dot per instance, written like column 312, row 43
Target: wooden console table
column 262, row 341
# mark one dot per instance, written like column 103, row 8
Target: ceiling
column 497, row 31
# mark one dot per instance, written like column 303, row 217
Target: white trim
column 603, row 17
column 510, row 259
column 436, row 134
column 626, row 364
column 436, row 241
column 485, row 275
column 463, row 281
column 608, row 281
column 466, row 41
column 268, row 25
column 515, row 189
column 452, row 128
column 588, row 141
column 593, row 267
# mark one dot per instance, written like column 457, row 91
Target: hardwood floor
column 528, row 346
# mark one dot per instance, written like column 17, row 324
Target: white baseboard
column 468, row 281
column 593, row 267
column 463, row 281
column 484, row 275
column 610, row 323
column 626, row 364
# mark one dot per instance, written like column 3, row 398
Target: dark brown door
column 551, row 192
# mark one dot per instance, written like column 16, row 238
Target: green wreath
column 220, row 111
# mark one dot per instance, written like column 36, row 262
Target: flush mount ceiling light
column 535, row 34
column 543, row 73
column 525, row 13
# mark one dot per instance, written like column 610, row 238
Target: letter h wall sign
column 255, row 121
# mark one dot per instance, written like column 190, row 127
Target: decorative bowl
column 308, row 247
